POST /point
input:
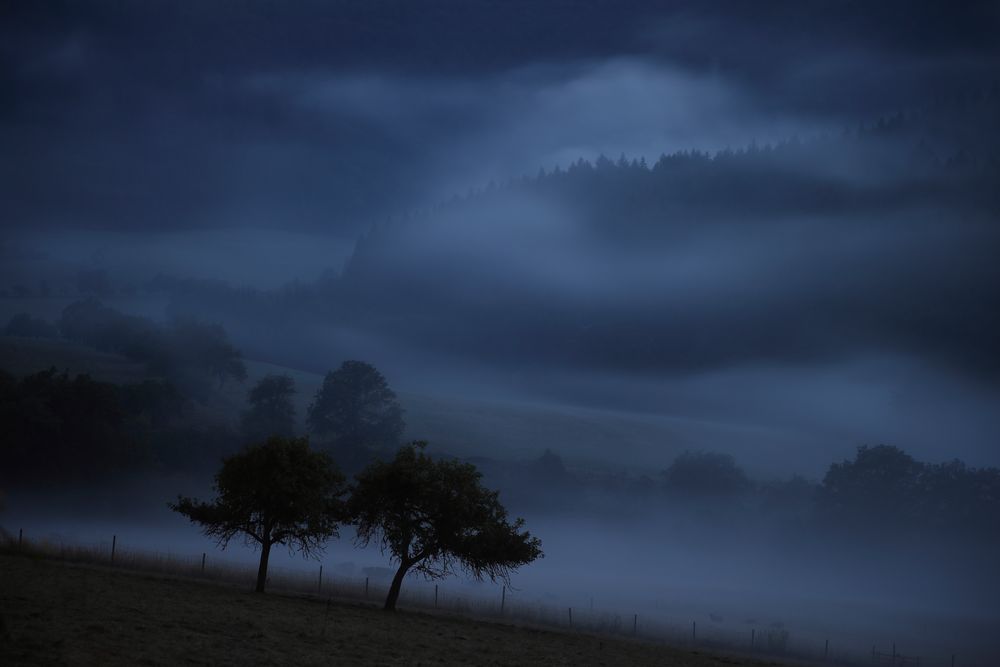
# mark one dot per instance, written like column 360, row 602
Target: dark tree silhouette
column 879, row 488
column 207, row 348
column 705, row 474
column 271, row 410
column 278, row 492
column 28, row 326
column 64, row 428
column 435, row 517
column 356, row 407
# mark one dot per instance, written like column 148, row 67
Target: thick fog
column 578, row 242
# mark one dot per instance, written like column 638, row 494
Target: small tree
column 356, row 407
column 705, row 475
column 205, row 348
column 435, row 517
column 271, row 410
column 278, row 492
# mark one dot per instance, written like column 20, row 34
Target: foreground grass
column 53, row 612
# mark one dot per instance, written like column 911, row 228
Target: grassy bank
column 55, row 612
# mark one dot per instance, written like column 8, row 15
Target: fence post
column 114, row 540
column 503, row 598
column 20, row 537
column 570, row 609
column 635, row 624
column 320, row 587
column 203, row 562
column 435, row 596
column 366, row 588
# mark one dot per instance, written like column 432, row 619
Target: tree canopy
column 356, row 407
column 271, row 411
column 62, row 428
column 277, row 492
column 189, row 353
column 436, row 518
column 884, row 486
column 705, row 474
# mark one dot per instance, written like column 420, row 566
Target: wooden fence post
column 503, row 598
column 114, row 540
column 570, row 609
column 366, row 588
column 203, row 562
column 635, row 624
column 20, row 537
column 320, row 587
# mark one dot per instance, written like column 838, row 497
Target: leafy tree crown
column 278, row 492
column 356, row 406
column 436, row 517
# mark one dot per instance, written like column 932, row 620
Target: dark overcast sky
column 328, row 115
column 255, row 141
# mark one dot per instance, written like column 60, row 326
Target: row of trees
column 193, row 355
column 354, row 411
column 62, row 428
column 432, row 516
column 881, row 493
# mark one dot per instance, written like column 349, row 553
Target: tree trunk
column 397, row 582
column 265, row 553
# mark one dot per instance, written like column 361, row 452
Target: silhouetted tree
column 356, row 407
column 271, row 410
column 278, row 492
column 187, row 352
column 881, row 483
column 58, row 427
column 27, row 326
column 705, row 474
column 155, row 402
column 205, row 348
column 435, row 517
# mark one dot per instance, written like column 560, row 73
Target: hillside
column 54, row 612
column 464, row 426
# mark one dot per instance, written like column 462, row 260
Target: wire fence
column 507, row 606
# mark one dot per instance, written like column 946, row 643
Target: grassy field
column 54, row 612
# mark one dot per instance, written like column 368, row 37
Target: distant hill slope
column 21, row 356
column 878, row 240
column 461, row 426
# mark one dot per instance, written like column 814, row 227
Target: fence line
column 417, row 595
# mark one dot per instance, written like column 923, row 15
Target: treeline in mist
column 191, row 354
column 76, row 429
column 628, row 265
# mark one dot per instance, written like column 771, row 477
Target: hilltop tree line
column 933, row 168
column 63, row 428
column 882, row 493
column 193, row 355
